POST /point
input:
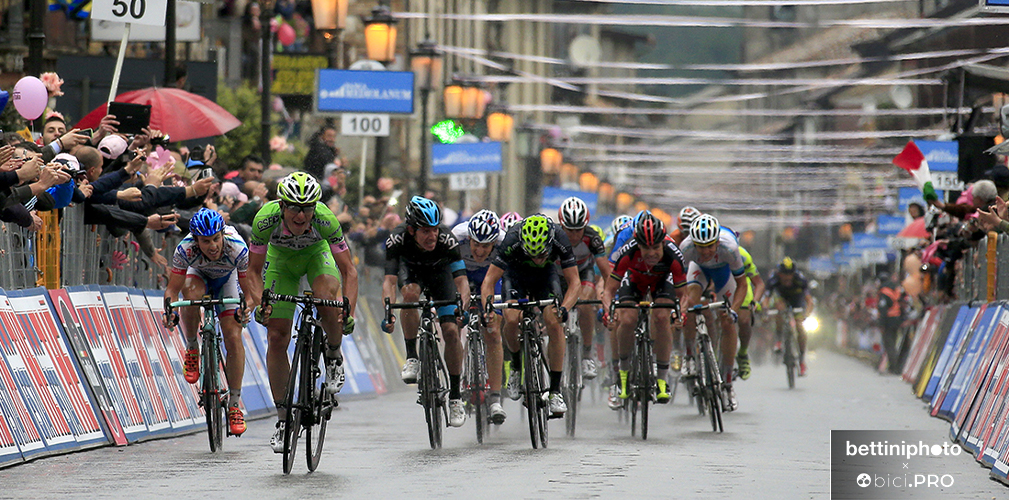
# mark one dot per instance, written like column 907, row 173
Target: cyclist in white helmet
column 589, row 253
column 713, row 258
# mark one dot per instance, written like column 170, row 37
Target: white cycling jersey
column 235, row 255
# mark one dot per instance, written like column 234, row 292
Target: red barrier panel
column 175, row 348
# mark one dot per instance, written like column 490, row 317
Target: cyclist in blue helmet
column 421, row 255
column 212, row 260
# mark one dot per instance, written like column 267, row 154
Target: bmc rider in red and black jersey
column 650, row 263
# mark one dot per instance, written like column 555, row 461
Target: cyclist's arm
column 349, row 274
column 610, row 290
column 256, row 262
column 175, row 282
column 737, row 300
column 604, row 265
column 251, row 300
column 462, row 284
column 758, row 286
column 494, row 273
column 389, row 287
column 809, row 304
column 574, row 287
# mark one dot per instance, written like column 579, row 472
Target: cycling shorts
column 438, row 284
column 720, row 279
column 586, row 276
column 533, row 286
column 225, row 287
column 283, row 271
column 660, row 289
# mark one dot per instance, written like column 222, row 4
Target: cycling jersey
column 525, row 279
column 588, row 249
column 717, row 271
column 433, row 271
column 637, row 279
column 268, row 229
column 749, row 270
column 622, row 237
column 795, row 294
column 475, row 271
column 677, row 235
column 218, row 275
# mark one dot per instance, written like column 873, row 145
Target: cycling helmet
column 598, row 229
column 649, row 230
column 687, row 215
column 638, row 216
column 484, row 227
column 573, row 214
column 299, row 188
column 509, row 219
column 619, row 223
column 704, row 230
column 422, row 212
column 786, row 266
column 206, row 222
column 536, row 235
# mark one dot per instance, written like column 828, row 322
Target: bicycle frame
column 305, row 405
column 573, row 382
column 790, row 343
column 709, row 376
column 642, row 378
column 475, row 367
column 212, row 392
column 432, row 385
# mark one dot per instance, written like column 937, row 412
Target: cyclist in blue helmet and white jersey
column 478, row 239
column 212, row 260
column 713, row 259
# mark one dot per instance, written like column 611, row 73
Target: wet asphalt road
column 775, row 446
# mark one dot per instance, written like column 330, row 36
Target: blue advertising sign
column 553, row 197
column 822, row 266
column 347, row 91
column 942, row 156
column 909, row 195
column 466, row 157
column 889, row 224
column 863, row 241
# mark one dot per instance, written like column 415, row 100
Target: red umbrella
column 915, row 229
column 180, row 114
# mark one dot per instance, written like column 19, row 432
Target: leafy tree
column 243, row 103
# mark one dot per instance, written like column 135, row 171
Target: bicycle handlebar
column 795, row 310
column 589, row 303
column 713, row 305
column 645, row 305
column 524, row 304
column 205, row 302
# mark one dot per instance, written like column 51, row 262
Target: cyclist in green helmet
column 293, row 237
column 526, row 259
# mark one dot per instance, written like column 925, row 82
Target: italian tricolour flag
column 912, row 160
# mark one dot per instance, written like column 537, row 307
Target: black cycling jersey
column 795, row 294
column 401, row 249
column 511, row 257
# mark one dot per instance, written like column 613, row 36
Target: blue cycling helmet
column 422, row 212
column 206, row 222
column 639, row 216
column 484, row 227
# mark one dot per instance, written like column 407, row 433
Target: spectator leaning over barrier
column 20, row 181
column 984, row 193
column 57, row 139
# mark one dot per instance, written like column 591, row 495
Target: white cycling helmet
column 484, row 227
column 687, row 216
column 509, row 219
column 619, row 223
column 573, row 214
column 705, row 230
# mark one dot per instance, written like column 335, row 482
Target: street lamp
column 500, row 124
column 550, row 161
column 330, row 17
column 425, row 61
column 453, row 99
column 380, row 35
column 588, row 182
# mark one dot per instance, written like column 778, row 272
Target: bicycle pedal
column 555, row 415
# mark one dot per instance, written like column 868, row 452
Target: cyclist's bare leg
column 728, row 346
column 691, row 298
column 453, row 346
column 628, row 319
column 410, row 317
column 587, row 318
column 802, row 340
column 662, row 334
column 278, row 367
column 510, row 330
column 193, row 289
column 555, row 332
column 492, row 338
column 327, row 287
column 235, row 364
column 745, row 328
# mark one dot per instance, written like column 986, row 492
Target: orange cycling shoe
column 236, row 421
column 192, row 365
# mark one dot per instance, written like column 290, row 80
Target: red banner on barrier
column 161, row 367
column 174, row 348
column 89, row 365
column 32, row 384
column 53, row 356
column 94, row 318
column 17, row 430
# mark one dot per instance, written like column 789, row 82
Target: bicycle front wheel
column 573, row 382
column 645, row 383
column 430, row 391
column 212, row 406
column 789, row 355
column 317, row 405
column 713, row 390
column 293, row 421
column 476, row 382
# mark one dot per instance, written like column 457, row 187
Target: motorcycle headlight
column 811, row 324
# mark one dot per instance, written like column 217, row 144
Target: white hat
column 112, row 146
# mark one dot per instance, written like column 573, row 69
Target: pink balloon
column 30, row 97
column 285, row 34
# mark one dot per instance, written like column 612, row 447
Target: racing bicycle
column 708, row 385
column 213, row 393
column 308, row 407
column 641, row 381
column 475, row 380
column 789, row 344
column 572, row 383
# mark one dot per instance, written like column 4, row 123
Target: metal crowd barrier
column 18, row 267
column 984, row 264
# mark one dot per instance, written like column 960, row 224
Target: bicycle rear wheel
column 430, row 387
column 212, row 407
column 317, row 404
column 293, row 420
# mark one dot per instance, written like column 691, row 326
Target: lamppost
column 330, row 18
column 380, row 35
column 265, row 79
column 500, row 124
column 425, row 61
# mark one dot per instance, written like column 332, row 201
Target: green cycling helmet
column 299, row 188
column 535, row 235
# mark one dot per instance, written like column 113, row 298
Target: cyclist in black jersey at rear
column 526, row 260
column 590, row 252
column 793, row 289
column 421, row 255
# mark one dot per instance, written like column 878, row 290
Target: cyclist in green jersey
column 293, row 237
column 754, row 288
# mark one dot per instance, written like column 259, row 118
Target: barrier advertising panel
column 966, row 365
column 957, row 336
column 18, row 433
column 174, row 348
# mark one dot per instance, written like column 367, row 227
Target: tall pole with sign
column 150, row 12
